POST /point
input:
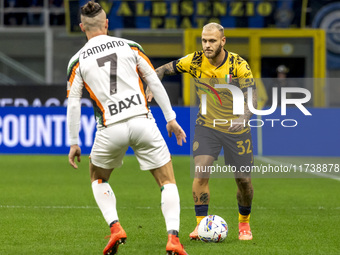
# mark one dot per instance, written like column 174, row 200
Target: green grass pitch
column 46, row 207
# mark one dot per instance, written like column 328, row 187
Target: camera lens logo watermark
column 239, row 105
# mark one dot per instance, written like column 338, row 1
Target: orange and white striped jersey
column 110, row 68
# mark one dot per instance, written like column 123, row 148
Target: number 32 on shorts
column 245, row 147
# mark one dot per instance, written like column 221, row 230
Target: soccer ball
column 212, row 228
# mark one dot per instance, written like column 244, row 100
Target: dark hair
column 91, row 9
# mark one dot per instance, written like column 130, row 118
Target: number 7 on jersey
column 112, row 58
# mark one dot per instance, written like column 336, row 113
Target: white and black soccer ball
column 212, row 228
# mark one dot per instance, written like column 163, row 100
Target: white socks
column 170, row 206
column 106, row 202
column 105, row 199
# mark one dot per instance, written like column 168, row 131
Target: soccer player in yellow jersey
column 219, row 66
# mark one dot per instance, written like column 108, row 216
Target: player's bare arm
column 161, row 71
column 75, row 151
column 247, row 112
column 148, row 94
column 167, row 69
column 239, row 123
column 174, row 127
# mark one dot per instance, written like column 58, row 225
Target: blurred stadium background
column 39, row 36
column 37, row 39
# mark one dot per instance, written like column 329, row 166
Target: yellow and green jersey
column 234, row 70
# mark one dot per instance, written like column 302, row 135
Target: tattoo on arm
column 247, row 112
column 166, row 69
column 195, row 197
column 204, row 198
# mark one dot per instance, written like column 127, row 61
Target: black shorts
column 238, row 149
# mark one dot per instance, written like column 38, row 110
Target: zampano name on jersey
column 124, row 104
column 101, row 48
column 256, row 123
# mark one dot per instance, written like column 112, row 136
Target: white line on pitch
column 275, row 162
column 155, row 208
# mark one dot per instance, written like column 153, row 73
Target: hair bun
column 91, row 9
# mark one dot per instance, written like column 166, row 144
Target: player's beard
column 214, row 54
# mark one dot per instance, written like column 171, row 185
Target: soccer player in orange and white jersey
column 111, row 69
column 215, row 65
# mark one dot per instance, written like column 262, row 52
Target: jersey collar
column 224, row 60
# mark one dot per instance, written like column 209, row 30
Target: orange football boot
column 174, row 247
column 194, row 234
column 244, row 232
column 118, row 236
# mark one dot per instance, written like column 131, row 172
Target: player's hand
column 238, row 124
column 148, row 94
column 74, row 152
column 173, row 127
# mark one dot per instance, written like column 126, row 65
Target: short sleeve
column 244, row 75
column 182, row 65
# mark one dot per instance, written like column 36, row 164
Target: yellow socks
column 201, row 211
column 243, row 218
column 199, row 218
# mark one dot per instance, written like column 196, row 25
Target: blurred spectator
column 282, row 72
column 57, row 18
column 11, row 17
column 22, row 17
column 279, row 82
column 36, row 19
